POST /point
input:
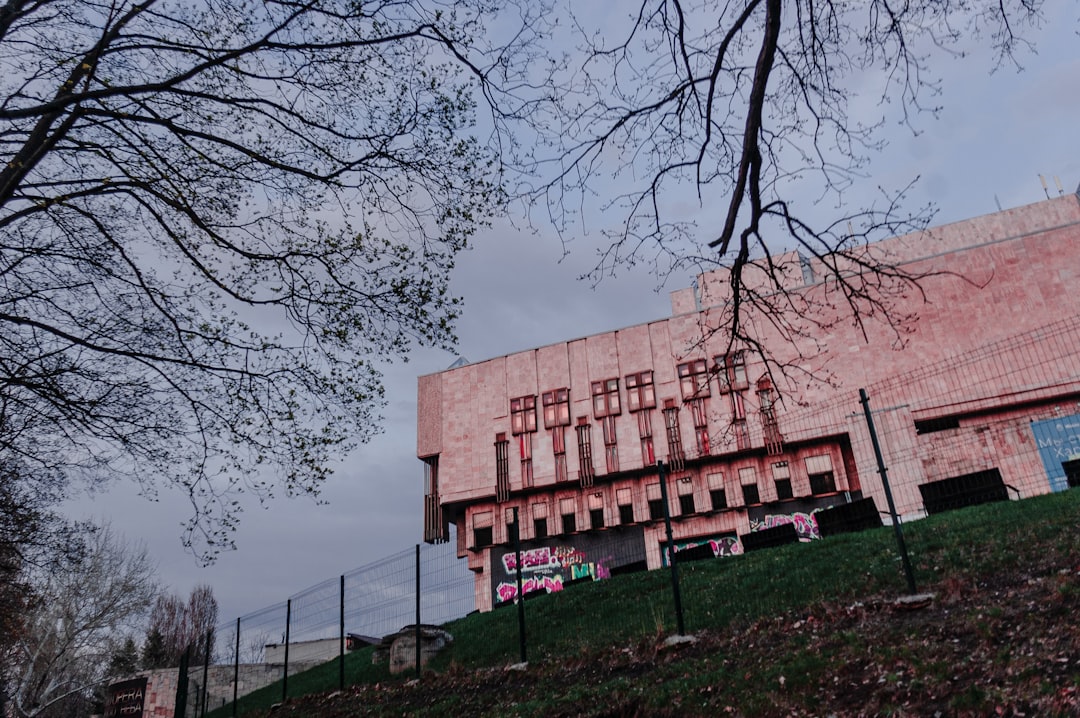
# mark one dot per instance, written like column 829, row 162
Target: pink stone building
column 974, row 397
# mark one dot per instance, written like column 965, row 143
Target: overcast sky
column 996, row 134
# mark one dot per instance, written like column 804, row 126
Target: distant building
column 980, row 402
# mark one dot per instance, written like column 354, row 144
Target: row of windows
column 819, row 474
column 694, row 376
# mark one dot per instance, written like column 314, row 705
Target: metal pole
column 671, row 550
column 285, row 673
column 341, row 647
column 882, row 471
column 417, row 610
column 206, row 670
column 236, row 670
column 520, row 595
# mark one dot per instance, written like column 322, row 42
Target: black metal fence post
column 236, row 670
column 205, row 672
column 417, row 610
column 285, row 673
column 882, row 471
column 180, row 707
column 671, row 550
column 341, row 631
column 520, row 594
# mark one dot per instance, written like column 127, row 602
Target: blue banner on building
column 1058, row 441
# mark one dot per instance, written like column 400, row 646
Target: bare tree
column 176, row 627
column 690, row 130
column 82, row 610
column 217, row 219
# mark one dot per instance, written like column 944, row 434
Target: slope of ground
column 1001, row 636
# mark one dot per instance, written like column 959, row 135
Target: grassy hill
column 806, row 629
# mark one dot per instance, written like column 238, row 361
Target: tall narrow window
column 639, row 391
column 731, row 371
column 656, row 501
column 611, row 444
column 502, row 468
column 584, row 447
column 717, row 492
column 558, row 445
column 770, row 428
column 525, row 446
column 436, row 530
column 748, row 480
column 596, row 510
column 676, row 455
column 694, row 379
column 556, row 419
column 523, row 426
column 644, row 422
column 568, row 514
column 685, row 488
column 624, row 499
column 782, row 479
column 699, row 412
column 738, row 420
column 605, row 396
column 540, row 526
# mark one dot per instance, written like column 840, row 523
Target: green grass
column 952, row 551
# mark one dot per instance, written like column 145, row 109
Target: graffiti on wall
column 721, row 545
column 1058, row 440
column 550, row 567
column 805, row 523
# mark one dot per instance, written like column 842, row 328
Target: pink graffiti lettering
column 532, row 560
column 551, row 584
column 805, row 524
column 726, row 546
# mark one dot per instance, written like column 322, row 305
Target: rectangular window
column 685, row 488
column 511, row 526
column 819, row 469
column 625, row 501
column 699, row 412
column 482, row 529
column 717, row 494
column 644, row 421
column 676, row 456
column 539, row 512
column 584, row 448
column 556, row 408
column 522, row 415
column 568, row 512
column 639, row 391
column 502, row 467
column 558, row 444
column 823, row 483
column 656, row 501
column 748, row 480
column 596, row 510
column 731, row 371
column 694, row 379
column 611, row 444
column 436, row 529
column 782, row 478
column 605, row 395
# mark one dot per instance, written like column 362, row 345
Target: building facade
column 973, row 388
